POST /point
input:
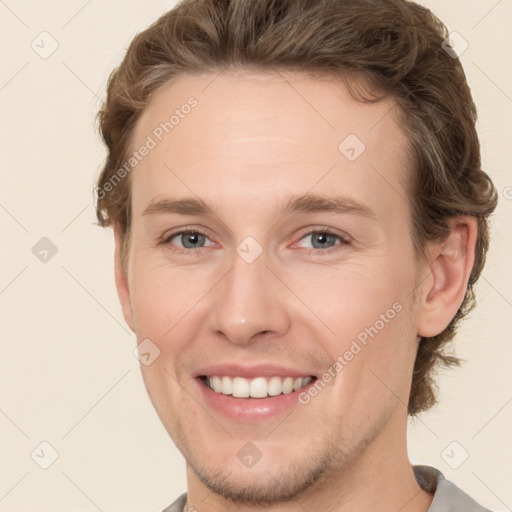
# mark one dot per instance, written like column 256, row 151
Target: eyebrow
column 308, row 203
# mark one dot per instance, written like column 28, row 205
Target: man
column 300, row 216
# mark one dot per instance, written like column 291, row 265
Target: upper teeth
column 259, row 387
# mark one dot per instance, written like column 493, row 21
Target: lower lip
column 249, row 410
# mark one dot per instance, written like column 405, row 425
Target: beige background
column 68, row 375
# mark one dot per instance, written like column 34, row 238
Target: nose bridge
column 248, row 301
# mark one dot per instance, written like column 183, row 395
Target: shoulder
column 447, row 496
column 178, row 505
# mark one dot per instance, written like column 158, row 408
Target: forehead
column 246, row 133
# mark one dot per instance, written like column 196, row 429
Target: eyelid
column 171, row 233
column 325, row 229
column 309, row 230
column 343, row 238
column 166, row 240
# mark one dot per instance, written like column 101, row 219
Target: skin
column 252, row 141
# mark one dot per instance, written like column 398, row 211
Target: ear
column 121, row 277
column 450, row 266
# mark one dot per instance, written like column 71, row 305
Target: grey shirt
column 447, row 496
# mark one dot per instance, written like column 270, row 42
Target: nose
column 250, row 302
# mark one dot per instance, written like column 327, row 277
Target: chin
column 260, row 486
column 275, row 477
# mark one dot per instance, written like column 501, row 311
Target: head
column 247, row 107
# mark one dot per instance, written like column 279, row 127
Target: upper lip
column 253, row 371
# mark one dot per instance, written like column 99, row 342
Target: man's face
column 255, row 295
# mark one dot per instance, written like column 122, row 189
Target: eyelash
column 313, row 251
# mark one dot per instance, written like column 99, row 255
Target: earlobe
column 121, row 279
column 450, row 267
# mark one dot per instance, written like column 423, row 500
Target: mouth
column 258, row 387
column 252, row 394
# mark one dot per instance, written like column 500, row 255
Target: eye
column 186, row 240
column 324, row 240
column 189, row 241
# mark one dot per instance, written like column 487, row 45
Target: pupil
column 322, row 238
column 191, row 239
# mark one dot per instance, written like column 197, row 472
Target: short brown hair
column 394, row 46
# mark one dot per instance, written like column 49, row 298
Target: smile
column 259, row 387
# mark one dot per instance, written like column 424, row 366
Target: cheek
column 351, row 297
column 163, row 310
column 371, row 376
column 366, row 328
column 161, row 297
